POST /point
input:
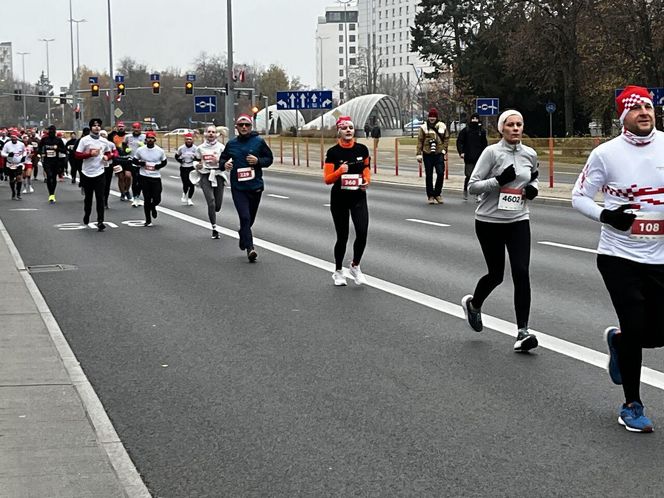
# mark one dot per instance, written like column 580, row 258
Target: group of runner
column 628, row 169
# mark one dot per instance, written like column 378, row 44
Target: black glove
column 11, row 154
column 508, row 175
column 618, row 218
column 531, row 192
column 534, row 175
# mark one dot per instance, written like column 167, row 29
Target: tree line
column 574, row 53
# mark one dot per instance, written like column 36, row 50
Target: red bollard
column 396, row 157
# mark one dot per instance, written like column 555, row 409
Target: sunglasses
column 243, row 124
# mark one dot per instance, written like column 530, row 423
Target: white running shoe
column 31, row 189
column 183, row 199
column 357, row 274
column 190, row 202
column 339, row 278
column 24, row 191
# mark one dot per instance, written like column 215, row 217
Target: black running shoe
column 215, row 234
column 525, row 341
column 252, row 255
column 473, row 316
column 154, row 212
column 101, row 227
column 86, row 220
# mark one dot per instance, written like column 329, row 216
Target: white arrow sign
column 303, row 100
column 314, row 98
column 292, row 100
column 282, row 103
column 326, row 102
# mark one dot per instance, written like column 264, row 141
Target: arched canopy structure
column 278, row 121
column 374, row 108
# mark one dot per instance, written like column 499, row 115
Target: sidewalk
column 55, row 437
column 560, row 194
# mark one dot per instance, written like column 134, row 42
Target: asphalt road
column 225, row 378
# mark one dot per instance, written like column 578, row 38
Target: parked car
column 179, row 131
column 413, row 126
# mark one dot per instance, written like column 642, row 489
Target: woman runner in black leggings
column 347, row 170
column 505, row 176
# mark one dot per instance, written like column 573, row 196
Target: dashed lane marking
column 566, row 246
column 425, row 222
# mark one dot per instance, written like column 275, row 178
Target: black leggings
column 187, row 186
column 135, row 181
column 51, row 170
column 246, row 204
column 151, row 195
column 93, row 186
column 637, row 293
column 494, row 238
column 342, row 204
column 15, row 177
column 108, row 176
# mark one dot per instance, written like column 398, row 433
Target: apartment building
column 6, row 67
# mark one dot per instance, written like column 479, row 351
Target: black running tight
column 637, row 293
column 343, row 204
column 187, row 186
column 494, row 238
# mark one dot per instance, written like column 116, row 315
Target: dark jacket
column 471, row 142
column 375, row 132
column 50, row 147
column 238, row 149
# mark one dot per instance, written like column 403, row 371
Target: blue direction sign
column 205, row 103
column 93, row 79
column 656, row 93
column 316, row 99
column 119, row 78
column 487, row 106
column 154, row 77
column 191, row 77
column 550, row 107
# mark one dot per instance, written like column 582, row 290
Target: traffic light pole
column 110, row 65
column 230, row 100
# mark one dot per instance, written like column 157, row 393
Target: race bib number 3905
column 510, row 199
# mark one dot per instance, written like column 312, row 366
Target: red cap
column 13, row 133
column 433, row 113
column 188, row 135
column 243, row 118
column 136, row 125
column 630, row 97
column 120, row 123
column 150, row 134
column 343, row 120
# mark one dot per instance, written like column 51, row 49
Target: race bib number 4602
column 510, row 199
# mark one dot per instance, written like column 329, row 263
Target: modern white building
column 384, row 28
column 337, row 47
column 6, row 71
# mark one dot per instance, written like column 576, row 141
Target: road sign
column 550, row 107
column 191, row 77
column 487, row 106
column 119, row 78
column 316, row 99
column 205, row 103
column 154, row 77
column 118, row 112
column 93, row 79
column 656, row 93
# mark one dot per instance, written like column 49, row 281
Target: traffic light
column 254, row 110
column 120, row 88
column 17, row 95
column 156, row 86
column 188, row 88
column 41, row 96
column 270, row 115
column 63, row 98
column 94, row 88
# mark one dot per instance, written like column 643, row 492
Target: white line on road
column 649, row 376
column 24, row 209
column 173, row 176
column 278, row 196
column 565, row 246
column 424, row 222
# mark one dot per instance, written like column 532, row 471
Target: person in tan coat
column 432, row 142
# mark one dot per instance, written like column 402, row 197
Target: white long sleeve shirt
column 626, row 174
column 19, row 151
column 93, row 166
column 209, row 154
column 152, row 156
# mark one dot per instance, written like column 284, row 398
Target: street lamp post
column 111, row 100
column 230, row 96
column 345, row 3
column 320, row 58
column 25, row 107
column 48, row 77
column 75, row 69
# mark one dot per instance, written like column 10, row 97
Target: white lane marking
column 327, row 205
column 105, row 433
column 173, row 176
column 24, row 209
column 565, row 246
column 278, row 196
column 424, row 222
column 649, row 376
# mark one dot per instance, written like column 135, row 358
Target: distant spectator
column 375, row 134
column 432, row 142
column 367, row 130
column 470, row 144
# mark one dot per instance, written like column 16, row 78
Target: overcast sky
column 164, row 34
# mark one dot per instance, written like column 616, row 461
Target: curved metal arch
column 384, row 110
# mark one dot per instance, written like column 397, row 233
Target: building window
column 351, row 27
column 341, row 27
column 341, row 38
column 351, row 38
column 341, row 73
column 351, row 50
column 352, row 61
column 341, row 50
column 341, row 62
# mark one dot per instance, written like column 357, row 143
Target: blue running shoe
column 633, row 418
column 614, row 370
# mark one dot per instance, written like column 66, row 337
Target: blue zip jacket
column 238, row 149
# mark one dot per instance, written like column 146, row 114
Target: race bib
column 149, row 166
column 210, row 159
column 50, row 153
column 647, row 226
column 245, row 174
column 510, row 199
column 117, row 168
column 350, row 181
